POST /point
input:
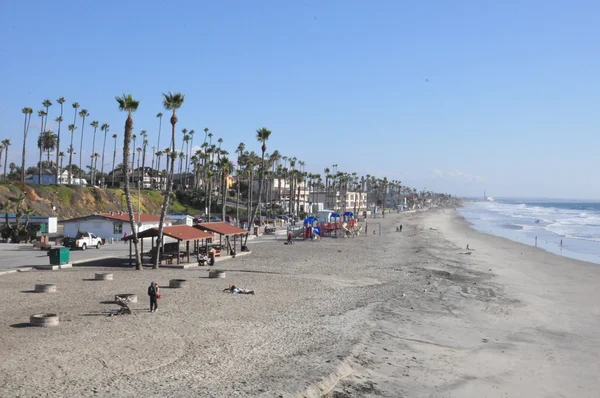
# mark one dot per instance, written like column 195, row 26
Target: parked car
column 215, row 219
column 82, row 241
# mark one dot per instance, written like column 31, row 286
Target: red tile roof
column 221, row 228
column 179, row 232
column 147, row 218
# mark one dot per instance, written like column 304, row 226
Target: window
column 118, row 228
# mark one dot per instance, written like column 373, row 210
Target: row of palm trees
column 49, row 141
column 209, row 164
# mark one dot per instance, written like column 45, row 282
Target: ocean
column 576, row 224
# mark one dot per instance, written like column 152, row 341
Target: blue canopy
column 348, row 214
column 310, row 220
column 335, row 215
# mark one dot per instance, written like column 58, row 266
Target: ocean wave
column 565, row 221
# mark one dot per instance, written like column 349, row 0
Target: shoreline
column 507, row 320
column 398, row 314
column 573, row 248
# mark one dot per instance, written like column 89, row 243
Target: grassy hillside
column 75, row 201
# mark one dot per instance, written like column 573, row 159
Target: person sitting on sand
column 236, row 290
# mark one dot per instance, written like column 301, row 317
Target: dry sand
column 404, row 314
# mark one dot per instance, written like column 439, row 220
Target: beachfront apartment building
column 356, row 202
column 272, row 192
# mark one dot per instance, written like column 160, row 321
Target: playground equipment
column 351, row 230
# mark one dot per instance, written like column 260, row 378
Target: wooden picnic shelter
column 228, row 232
column 172, row 251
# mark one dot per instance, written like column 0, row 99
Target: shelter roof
column 221, row 228
column 178, row 232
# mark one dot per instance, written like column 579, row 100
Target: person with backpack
column 154, row 293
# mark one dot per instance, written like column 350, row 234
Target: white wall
column 103, row 228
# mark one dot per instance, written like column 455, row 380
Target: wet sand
column 402, row 314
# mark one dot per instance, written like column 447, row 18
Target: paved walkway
column 24, row 255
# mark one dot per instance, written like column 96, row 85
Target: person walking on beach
column 290, row 238
column 153, row 292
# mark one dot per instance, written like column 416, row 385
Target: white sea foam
column 571, row 223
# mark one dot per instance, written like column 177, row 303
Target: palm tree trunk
column 134, row 229
column 81, row 145
column 113, row 166
column 237, row 202
column 210, row 189
column 102, row 165
column 40, row 166
column 25, row 131
column 223, row 185
column 93, row 171
column 165, row 205
column 5, row 160
column 249, row 202
column 143, row 167
column 58, row 145
column 257, row 209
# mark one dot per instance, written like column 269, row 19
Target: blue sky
column 454, row 96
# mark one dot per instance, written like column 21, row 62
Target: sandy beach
column 402, row 314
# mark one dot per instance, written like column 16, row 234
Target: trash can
column 59, row 256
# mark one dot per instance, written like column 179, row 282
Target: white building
column 354, row 201
column 179, row 219
column 271, row 192
column 110, row 225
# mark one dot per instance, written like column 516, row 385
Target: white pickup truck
column 82, row 241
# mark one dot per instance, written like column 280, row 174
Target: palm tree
column 105, row 127
column 187, row 138
column 5, row 144
column 191, row 134
column 61, row 155
column 59, row 120
column 133, row 157
column 129, row 105
column 72, row 129
column 47, row 104
column 158, row 154
column 48, row 143
column 144, row 145
column 41, row 114
column 159, row 115
column 83, row 114
column 262, row 135
column 171, row 102
column 28, row 212
column 240, row 149
column 181, row 156
column 27, row 112
column 1, row 152
column 250, row 164
column 40, row 144
column 114, row 159
column 226, row 166
column 95, row 125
